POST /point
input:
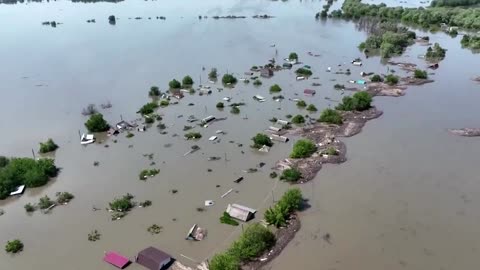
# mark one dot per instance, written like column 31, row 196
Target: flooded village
column 166, row 135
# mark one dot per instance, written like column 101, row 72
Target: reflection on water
column 405, row 199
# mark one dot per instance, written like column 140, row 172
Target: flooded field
column 405, row 199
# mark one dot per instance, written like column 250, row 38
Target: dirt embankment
column 284, row 236
column 466, row 132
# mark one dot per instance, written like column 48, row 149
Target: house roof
column 240, row 212
column 154, row 254
column 116, row 259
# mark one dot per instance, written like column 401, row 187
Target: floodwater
column 405, row 199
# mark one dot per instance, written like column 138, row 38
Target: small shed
column 153, row 259
column 240, row 212
column 116, row 259
column 266, row 72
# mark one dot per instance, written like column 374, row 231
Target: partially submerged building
column 153, row 258
column 240, row 212
column 266, row 72
column 116, row 259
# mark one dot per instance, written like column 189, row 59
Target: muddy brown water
column 405, row 199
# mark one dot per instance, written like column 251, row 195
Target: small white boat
column 227, row 99
column 213, row 138
column 259, row 98
column 299, row 78
column 18, row 190
column 87, row 139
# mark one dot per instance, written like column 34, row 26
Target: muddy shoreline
column 326, row 136
column 284, row 236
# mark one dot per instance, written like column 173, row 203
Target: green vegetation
column 220, row 105
column 298, row 119
column 145, row 203
column 24, row 171
column 122, row 204
column 293, row 56
column 303, row 72
column 174, row 84
column 301, row 104
column 193, row 135
column 420, row 74
column 187, row 81
column 339, row 86
column 360, row 101
column 454, row 3
column 330, row 116
column 376, row 78
column 64, row 197
column 129, row 135
column 48, row 146
column 14, row 246
column 144, row 174
column 391, row 79
column 164, row 103
column 148, row 108
column 154, row 91
column 303, row 148
column 290, row 202
column 331, row 151
column 291, row 175
column 212, row 75
column 96, row 123
column 275, row 88
column 472, row 42
column 257, row 82
column 311, row 108
column 227, row 219
column 94, row 236
column 229, row 79
column 149, row 120
column 252, row 243
column 235, row 110
column 29, row 207
column 45, row 202
column 388, row 39
column 224, row 261
column 260, row 140
column 273, row 175
column 436, row 53
column 155, row 229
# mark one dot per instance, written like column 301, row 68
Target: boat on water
column 87, row 139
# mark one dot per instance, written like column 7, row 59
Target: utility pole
column 33, row 153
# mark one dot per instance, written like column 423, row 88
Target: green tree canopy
column 303, row 148
column 260, row 140
column 174, row 84
column 330, row 116
column 187, row 81
column 96, row 123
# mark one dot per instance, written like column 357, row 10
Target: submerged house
column 266, row 72
column 116, row 259
column 153, row 259
column 240, row 212
column 309, row 92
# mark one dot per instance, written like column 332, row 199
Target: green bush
column 290, row 202
column 420, row 74
column 275, row 88
column 331, row 151
column 229, row 79
column 212, row 75
column 360, row 101
column 257, row 82
column 29, row 207
column 64, row 197
column 303, row 72
column 224, row 261
column 260, row 140
column 187, row 81
column 48, row 146
column 293, row 56
column 435, row 54
column 301, row 104
column 3, row 161
column 330, row 116
column 303, row 148
column 122, row 204
column 227, row 219
column 45, row 202
column 376, row 78
column 148, row 108
column 311, row 108
column 391, row 79
column 253, row 242
column 149, row 120
column 338, row 86
column 220, row 105
column 193, row 135
column 96, row 123
column 14, row 246
column 298, row 119
column 235, row 110
column 164, row 103
column 291, row 175
column 154, row 91
column 174, row 84
column 25, row 171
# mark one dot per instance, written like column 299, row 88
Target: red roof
column 116, row 259
column 309, row 92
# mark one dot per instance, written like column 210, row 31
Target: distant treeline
column 40, row 1
column 429, row 18
column 454, row 3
